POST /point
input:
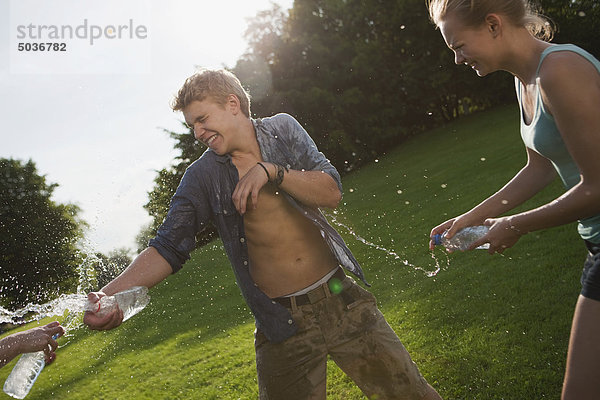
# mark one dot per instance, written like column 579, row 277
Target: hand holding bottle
column 39, row 345
column 106, row 320
column 465, row 239
column 107, row 312
column 502, row 234
column 41, row 338
column 452, row 226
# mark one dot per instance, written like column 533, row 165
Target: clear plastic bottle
column 130, row 301
column 23, row 376
column 463, row 239
column 30, row 365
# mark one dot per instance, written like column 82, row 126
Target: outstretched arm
column 532, row 178
column 148, row 269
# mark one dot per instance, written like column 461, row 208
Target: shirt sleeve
column 188, row 214
column 305, row 149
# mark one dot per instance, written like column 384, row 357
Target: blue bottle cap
column 437, row 239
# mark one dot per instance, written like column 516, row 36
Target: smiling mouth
column 210, row 139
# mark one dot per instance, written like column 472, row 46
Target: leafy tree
column 38, row 252
column 363, row 75
column 576, row 20
column 110, row 266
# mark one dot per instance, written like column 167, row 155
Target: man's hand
column 106, row 322
column 248, row 188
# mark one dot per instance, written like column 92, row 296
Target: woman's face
column 472, row 46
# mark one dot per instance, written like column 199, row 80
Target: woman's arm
column 531, row 179
column 570, row 88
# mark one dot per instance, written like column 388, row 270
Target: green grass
column 485, row 327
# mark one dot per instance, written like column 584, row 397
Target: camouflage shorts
column 352, row 331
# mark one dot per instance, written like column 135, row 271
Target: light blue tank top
column 543, row 136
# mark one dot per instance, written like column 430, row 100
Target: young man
column 261, row 183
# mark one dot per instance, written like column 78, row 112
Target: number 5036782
column 35, row 46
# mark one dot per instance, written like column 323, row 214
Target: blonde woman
column 558, row 89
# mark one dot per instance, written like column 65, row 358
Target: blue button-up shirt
column 204, row 197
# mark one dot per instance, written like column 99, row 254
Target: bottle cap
column 437, row 239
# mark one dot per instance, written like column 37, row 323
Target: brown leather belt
column 315, row 295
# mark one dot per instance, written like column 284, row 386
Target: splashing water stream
column 68, row 306
column 391, row 253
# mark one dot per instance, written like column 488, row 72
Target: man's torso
column 287, row 251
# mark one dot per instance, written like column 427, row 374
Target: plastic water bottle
column 463, row 239
column 23, row 376
column 30, row 365
column 130, row 301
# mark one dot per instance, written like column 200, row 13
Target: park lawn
column 485, row 327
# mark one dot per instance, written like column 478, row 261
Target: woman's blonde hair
column 214, row 84
column 473, row 12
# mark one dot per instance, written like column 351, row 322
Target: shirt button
column 290, row 321
column 242, row 240
column 273, row 301
column 224, row 211
column 245, row 262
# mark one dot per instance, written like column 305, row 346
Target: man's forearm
column 312, row 188
column 148, row 269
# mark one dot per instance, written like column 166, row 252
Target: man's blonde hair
column 214, row 84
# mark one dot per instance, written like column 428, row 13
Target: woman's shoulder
column 567, row 62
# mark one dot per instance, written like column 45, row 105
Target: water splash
column 391, row 253
column 34, row 312
column 67, row 306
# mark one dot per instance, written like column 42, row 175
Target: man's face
column 211, row 122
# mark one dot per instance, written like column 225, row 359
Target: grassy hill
column 485, row 327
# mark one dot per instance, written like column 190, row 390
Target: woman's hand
column 501, row 236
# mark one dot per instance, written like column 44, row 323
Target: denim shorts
column 590, row 278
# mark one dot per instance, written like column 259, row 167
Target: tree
column 362, row 75
column 38, row 246
column 109, row 267
column 576, row 20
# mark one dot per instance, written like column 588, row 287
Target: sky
column 93, row 117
